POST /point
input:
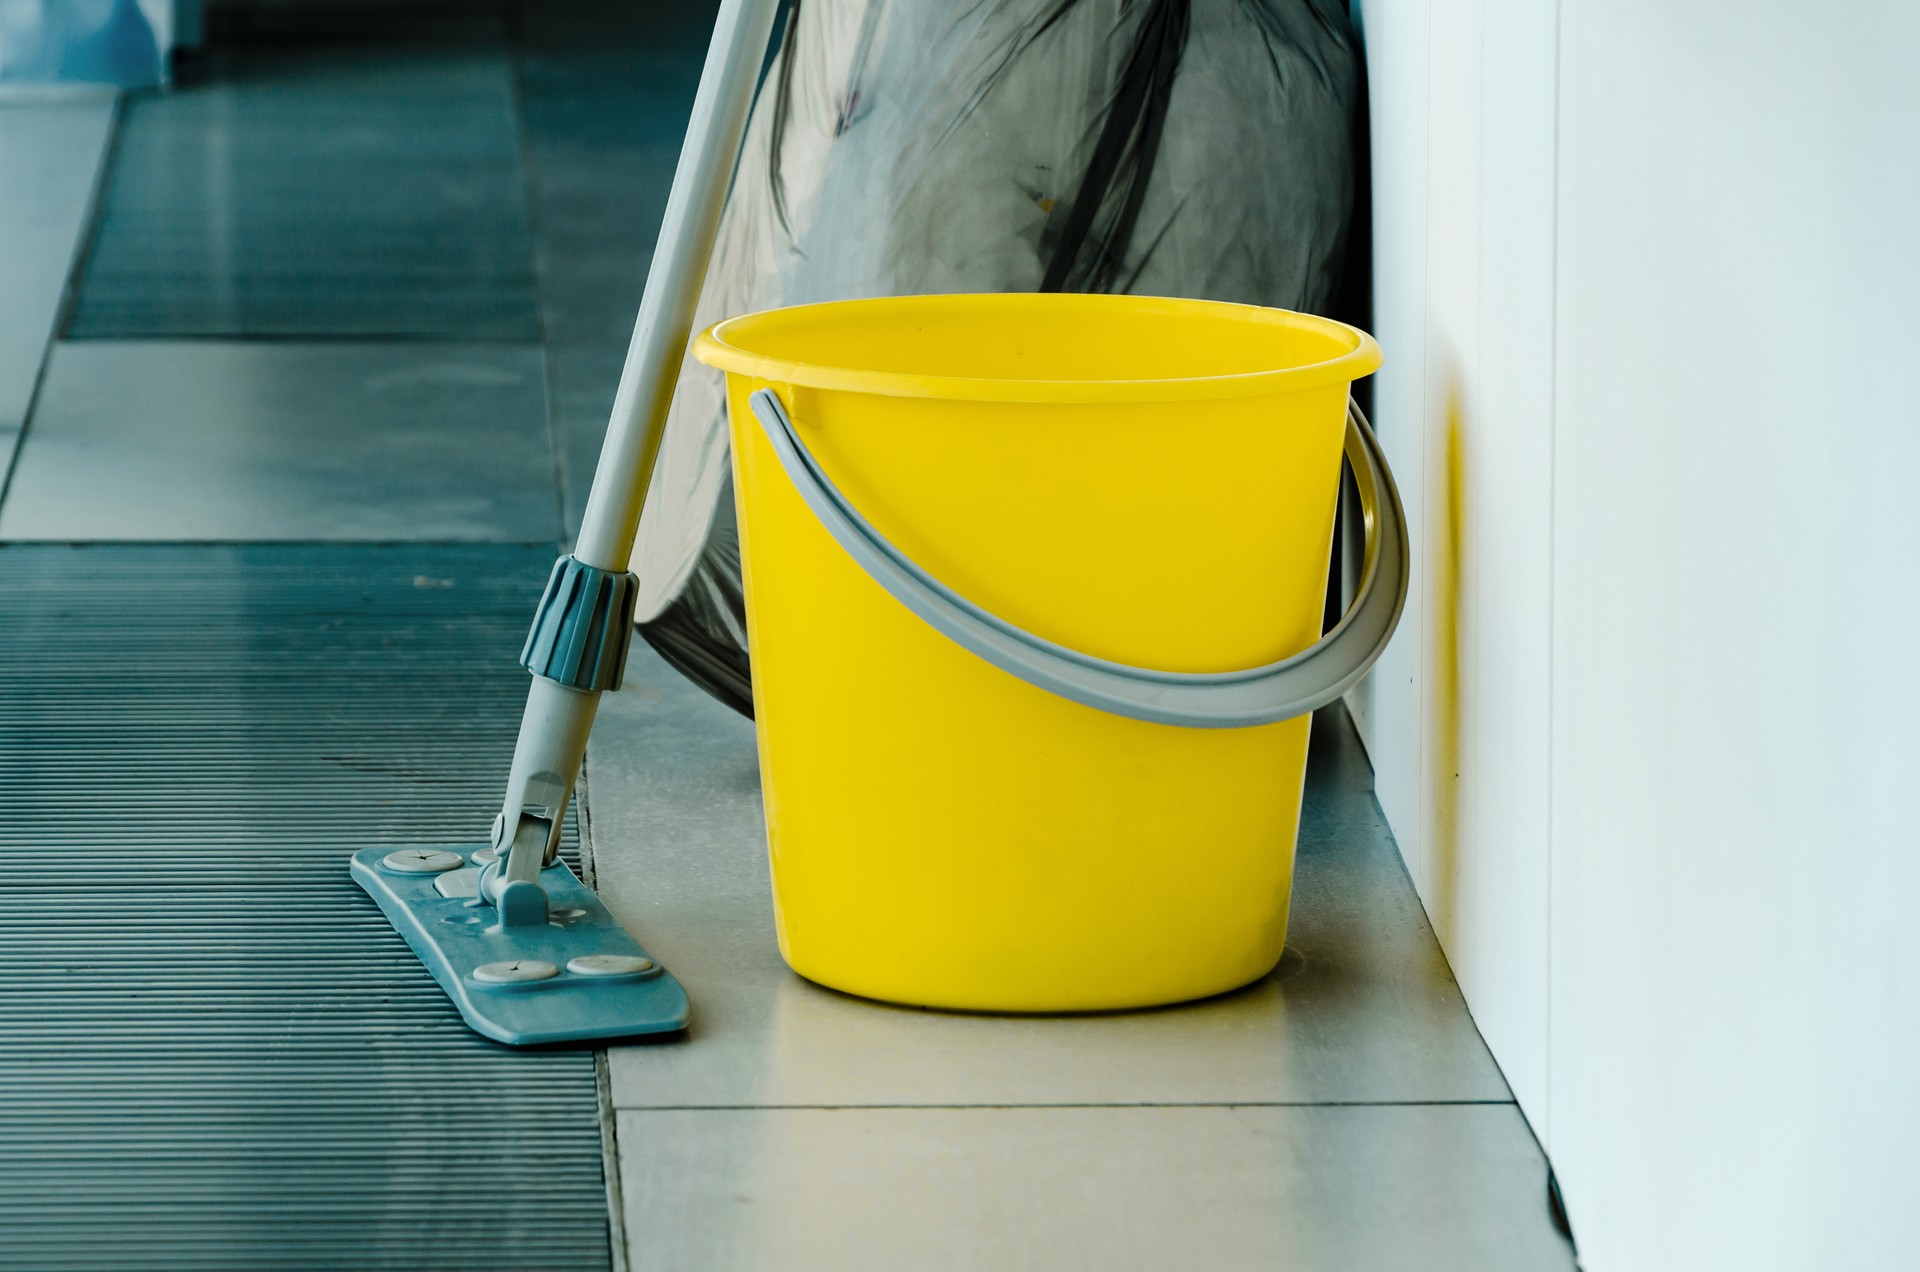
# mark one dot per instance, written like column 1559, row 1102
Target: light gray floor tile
column 50, row 154
column 1364, row 1010
column 329, row 180
column 257, row 441
column 1356, row 1189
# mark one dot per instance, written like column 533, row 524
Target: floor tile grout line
column 609, row 1140
column 69, row 287
column 425, row 338
column 89, row 237
column 343, row 544
column 529, row 193
column 1049, row 1105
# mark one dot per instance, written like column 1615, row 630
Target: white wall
column 1649, row 288
column 1456, row 715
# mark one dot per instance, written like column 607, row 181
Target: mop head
column 578, row 977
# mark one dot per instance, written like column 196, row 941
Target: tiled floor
column 1341, row 1114
column 266, row 346
column 1364, row 1011
column 1439, row 1188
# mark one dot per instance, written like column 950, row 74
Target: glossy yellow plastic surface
column 1146, row 480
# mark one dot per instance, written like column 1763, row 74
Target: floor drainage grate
column 214, row 1052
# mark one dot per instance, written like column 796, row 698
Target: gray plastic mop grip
column 583, row 627
column 1211, row 700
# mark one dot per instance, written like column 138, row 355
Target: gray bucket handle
column 1208, row 700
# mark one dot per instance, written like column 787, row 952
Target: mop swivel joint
column 577, row 650
column 511, row 881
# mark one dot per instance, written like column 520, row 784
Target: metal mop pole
column 578, row 645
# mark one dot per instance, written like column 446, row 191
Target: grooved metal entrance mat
column 214, row 1052
column 334, row 171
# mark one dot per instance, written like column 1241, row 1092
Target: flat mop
column 525, row 950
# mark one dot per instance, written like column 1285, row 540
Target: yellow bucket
column 1019, row 569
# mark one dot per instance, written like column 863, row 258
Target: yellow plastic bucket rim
column 724, row 346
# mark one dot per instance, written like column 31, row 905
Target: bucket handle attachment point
column 1205, row 700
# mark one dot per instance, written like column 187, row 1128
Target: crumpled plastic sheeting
column 1196, row 148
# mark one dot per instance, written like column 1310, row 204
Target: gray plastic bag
column 1199, row 148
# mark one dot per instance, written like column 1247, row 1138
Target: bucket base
column 1109, row 998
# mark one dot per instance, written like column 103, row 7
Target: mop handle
column 679, row 268
column 584, row 622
